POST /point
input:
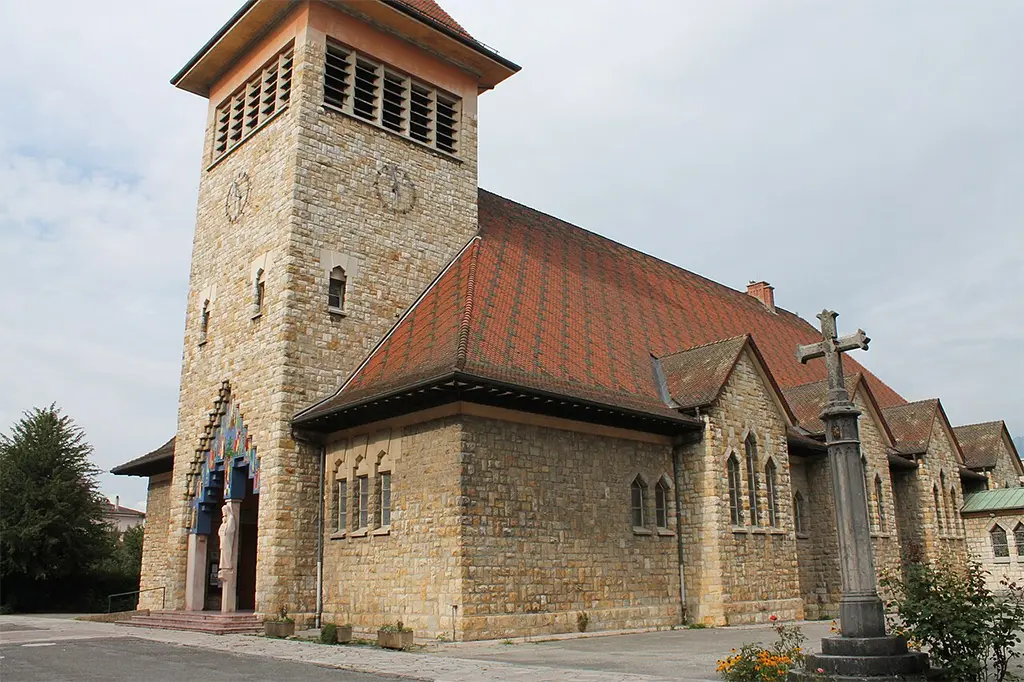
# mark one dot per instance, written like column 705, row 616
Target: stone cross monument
column 863, row 650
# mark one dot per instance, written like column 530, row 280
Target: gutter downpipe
column 320, row 540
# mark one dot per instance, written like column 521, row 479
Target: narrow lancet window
column 735, row 494
column 638, row 493
column 751, row 448
column 336, row 290
column 661, row 505
column 1000, row 545
column 771, row 484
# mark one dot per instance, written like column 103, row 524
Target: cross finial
column 832, row 349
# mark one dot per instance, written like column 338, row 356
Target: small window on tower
column 336, row 290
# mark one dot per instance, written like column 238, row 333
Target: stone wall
column 942, row 527
column 154, row 541
column 979, row 544
column 1004, row 474
column 818, row 545
column 547, row 532
column 874, row 447
column 737, row 559
column 410, row 570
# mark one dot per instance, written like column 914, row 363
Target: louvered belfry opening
column 263, row 95
column 362, row 87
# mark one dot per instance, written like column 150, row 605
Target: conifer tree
column 52, row 534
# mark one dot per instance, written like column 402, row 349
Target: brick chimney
column 763, row 292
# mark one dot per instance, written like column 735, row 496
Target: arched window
column 258, row 292
column 661, row 504
column 799, row 513
column 1000, row 547
column 880, row 502
column 955, row 514
column 336, row 289
column 750, row 445
column 938, row 509
column 945, row 502
column 1018, row 538
column 735, row 494
column 638, row 490
column 204, row 322
column 771, row 487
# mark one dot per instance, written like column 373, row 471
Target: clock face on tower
column 395, row 189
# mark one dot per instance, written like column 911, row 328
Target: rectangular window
column 342, row 506
column 364, row 501
column 367, row 89
column 259, row 98
column 384, row 501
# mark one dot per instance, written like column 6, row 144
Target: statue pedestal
column 872, row 659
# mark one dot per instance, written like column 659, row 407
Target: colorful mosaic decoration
column 231, row 448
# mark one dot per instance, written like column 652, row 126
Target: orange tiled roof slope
column 431, row 9
column 539, row 303
column 981, row 443
column 911, row 424
column 807, row 400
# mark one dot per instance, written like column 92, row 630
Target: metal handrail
column 163, row 596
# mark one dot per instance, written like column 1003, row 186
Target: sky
column 865, row 157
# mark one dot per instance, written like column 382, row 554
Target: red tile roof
column 694, row 377
column 911, row 424
column 432, row 10
column 542, row 304
column 982, row 443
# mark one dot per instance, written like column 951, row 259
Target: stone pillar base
column 874, row 659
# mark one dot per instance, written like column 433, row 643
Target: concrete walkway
column 687, row 655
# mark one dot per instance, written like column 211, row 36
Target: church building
column 406, row 398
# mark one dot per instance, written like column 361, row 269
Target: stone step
column 869, row 666
column 198, row 621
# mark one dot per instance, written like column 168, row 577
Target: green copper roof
column 994, row 500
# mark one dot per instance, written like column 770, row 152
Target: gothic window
column 938, row 509
column 661, row 504
column 373, row 92
column 735, row 491
column 258, row 292
column 799, row 513
column 204, row 322
column 383, row 499
column 771, row 485
column 880, row 504
column 364, row 501
column 254, row 103
column 945, row 502
column 638, row 493
column 955, row 514
column 1018, row 538
column 336, row 289
column 750, row 445
column 342, row 486
column 1000, row 546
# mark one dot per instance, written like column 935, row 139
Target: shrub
column 582, row 621
column 329, row 634
column 755, row 663
column 397, row 627
column 948, row 608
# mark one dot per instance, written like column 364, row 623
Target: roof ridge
column 994, row 421
column 744, row 336
column 911, row 404
column 467, row 312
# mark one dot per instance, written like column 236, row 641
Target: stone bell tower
column 338, row 177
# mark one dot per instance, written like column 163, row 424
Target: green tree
column 52, row 533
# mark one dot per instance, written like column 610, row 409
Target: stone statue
column 228, row 538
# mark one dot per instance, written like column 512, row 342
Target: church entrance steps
column 241, row 622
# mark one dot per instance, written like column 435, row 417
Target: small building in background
column 994, row 521
column 122, row 518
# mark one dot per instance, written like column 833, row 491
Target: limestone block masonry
column 979, row 544
column 311, row 174
column 154, row 541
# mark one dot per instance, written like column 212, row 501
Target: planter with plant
column 395, row 636
column 280, row 627
column 335, row 634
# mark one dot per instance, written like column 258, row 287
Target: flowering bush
column 755, row 663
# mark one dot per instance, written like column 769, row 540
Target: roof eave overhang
column 256, row 17
column 456, row 386
column 968, row 475
column 150, row 468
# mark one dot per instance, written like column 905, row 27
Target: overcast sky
column 867, row 157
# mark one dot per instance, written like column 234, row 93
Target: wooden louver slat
column 337, row 76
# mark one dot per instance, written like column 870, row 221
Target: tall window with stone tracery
column 735, row 494
column 638, row 493
column 771, row 486
column 880, row 503
column 750, row 445
column 1000, row 545
column 938, row 509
